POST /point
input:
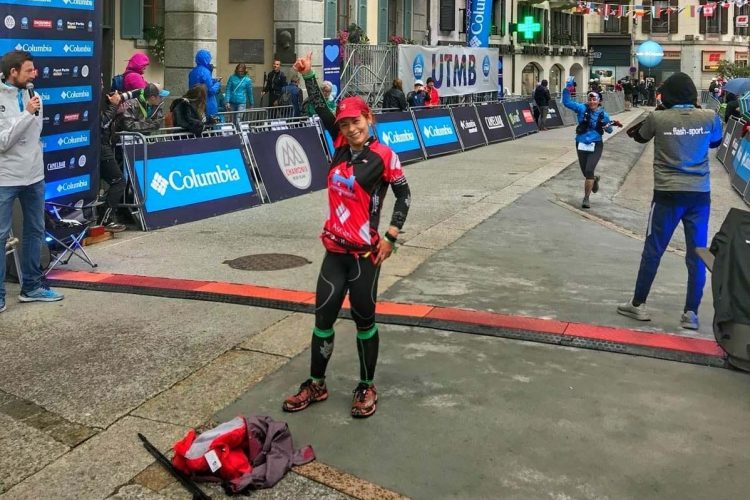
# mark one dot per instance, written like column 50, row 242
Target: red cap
column 351, row 107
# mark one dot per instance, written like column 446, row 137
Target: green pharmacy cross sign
column 529, row 27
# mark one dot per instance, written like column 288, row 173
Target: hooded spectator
column 133, row 76
column 682, row 191
column 189, row 111
column 201, row 75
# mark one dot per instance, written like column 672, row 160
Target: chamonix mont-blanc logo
column 293, row 161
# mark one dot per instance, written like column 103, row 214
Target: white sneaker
column 628, row 309
column 689, row 320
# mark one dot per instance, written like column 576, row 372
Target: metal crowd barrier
column 709, row 101
column 135, row 145
column 129, row 143
column 256, row 114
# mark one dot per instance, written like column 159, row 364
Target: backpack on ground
column 118, row 83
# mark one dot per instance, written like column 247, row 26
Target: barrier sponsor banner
column 437, row 131
column 520, row 117
column 721, row 152
column 554, row 118
column 396, row 129
column 291, row 162
column 184, row 181
column 468, row 126
column 741, row 164
column 456, row 70
column 64, row 36
column 494, row 122
column 734, row 144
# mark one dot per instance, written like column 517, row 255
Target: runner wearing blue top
column 593, row 121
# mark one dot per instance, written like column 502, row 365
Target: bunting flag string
column 639, row 10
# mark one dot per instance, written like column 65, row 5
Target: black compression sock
column 367, row 348
column 320, row 352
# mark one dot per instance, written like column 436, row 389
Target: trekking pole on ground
column 188, row 483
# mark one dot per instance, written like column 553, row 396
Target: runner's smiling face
column 356, row 130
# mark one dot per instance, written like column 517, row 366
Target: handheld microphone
column 30, row 88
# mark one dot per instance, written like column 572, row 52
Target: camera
column 133, row 94
column 126, row 96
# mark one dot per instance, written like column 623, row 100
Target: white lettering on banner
column 456, row 70
column 71, row 141
column 179, row 181
column 69, row 186
column 469, row 125
column 395, row 137
column 293, row 162
column 30, row 47
column 494, row 122
column 514, row 118
column 55, row 165
column 75, row 94
column 433, row 131
column 478, row 16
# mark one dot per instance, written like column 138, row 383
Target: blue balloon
column 649, row 54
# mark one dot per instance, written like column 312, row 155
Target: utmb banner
column 64, row 37
column 456, row 70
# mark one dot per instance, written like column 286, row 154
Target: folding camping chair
column 11, row 247
column 65, row 236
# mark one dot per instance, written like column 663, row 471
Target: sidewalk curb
column 655, row 345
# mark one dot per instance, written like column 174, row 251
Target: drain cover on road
column 267, row 262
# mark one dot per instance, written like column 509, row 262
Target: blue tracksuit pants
column 663, row 220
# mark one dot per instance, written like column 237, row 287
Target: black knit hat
column 678, row 89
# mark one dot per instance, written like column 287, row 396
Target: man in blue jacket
column 201, row 74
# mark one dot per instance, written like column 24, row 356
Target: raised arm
column 304, row 67
column 570, row 103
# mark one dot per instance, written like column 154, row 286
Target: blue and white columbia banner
column 49, row 48
column 59, row 4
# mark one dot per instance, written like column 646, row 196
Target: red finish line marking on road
column 655, row 340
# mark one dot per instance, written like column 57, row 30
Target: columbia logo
column 159, row 184
column 474, row 42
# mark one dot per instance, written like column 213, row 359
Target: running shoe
column 365, row 401
column 309, row 392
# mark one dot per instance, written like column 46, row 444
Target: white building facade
column 694, row 36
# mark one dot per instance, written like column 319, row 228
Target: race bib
column 582, row 146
